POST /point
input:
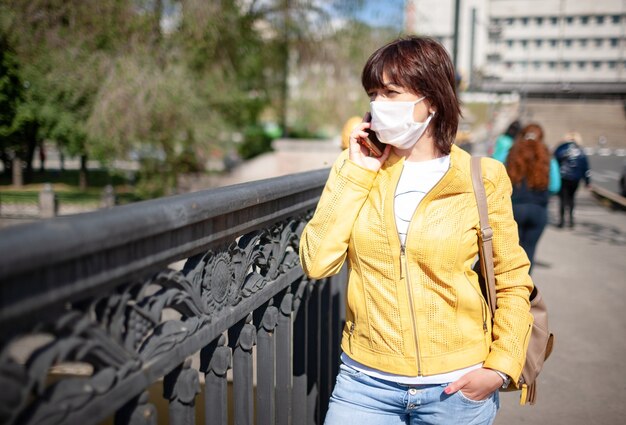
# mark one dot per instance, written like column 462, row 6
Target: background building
column 533, row 46
column 565, row 59
column 436, row 19
column 579, row 45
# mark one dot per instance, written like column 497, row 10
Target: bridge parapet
column 96, row 292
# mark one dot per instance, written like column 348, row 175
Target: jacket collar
column 456, row 180
column 457, row 157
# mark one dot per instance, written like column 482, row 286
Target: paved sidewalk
column 582, row 274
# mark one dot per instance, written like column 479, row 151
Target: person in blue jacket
column 505, row 141
column 574, row 167
column 534, row 175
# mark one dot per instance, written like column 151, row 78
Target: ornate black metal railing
column 95, row 296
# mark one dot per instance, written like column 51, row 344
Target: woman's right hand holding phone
column 360, row 154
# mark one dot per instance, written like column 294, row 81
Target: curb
column 608, row 198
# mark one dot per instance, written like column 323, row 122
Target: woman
column 534, row 175
column 417, row 343
column 505, row 141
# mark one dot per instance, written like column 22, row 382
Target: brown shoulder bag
column 541, row 339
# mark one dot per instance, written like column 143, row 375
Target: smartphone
column 371, row 142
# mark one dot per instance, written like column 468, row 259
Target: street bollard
column 48, row 203
column 108, row 197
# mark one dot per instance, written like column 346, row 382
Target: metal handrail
column 110, row 245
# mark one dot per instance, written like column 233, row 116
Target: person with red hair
column 534, row 175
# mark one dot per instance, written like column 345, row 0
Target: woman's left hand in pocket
column 476, row 385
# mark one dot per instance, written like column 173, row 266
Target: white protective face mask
column 394, row 125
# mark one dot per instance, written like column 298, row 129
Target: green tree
column 64, row 49
column 10, row 99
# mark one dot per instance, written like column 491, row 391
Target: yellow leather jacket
column 420, row 311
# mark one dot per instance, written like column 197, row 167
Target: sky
column 382, row 13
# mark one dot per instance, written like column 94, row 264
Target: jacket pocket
column 484, row 308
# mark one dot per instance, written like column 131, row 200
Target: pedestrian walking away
column 574, row 167
column 418, row 344
column 534, row 175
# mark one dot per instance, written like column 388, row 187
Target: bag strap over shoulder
column 486, row 233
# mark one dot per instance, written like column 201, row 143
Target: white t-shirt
column 417, row 179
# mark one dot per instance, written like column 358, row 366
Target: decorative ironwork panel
column 142, row 330
column 91, row 315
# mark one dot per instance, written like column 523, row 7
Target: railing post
column 325, row 352
column 242, row 335
column 215, row 360
column 180, row 388
column 266, row 367
column 313, row 354
column 300, row 351
column 137, row 412
column 284, row 358
column 337, row 309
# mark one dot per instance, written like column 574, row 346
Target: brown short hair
column 421, row 65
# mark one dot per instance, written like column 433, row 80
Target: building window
column 584, row 20
column 566, row 64
column 553, row 43
column 583, row 42
column 508, row 65
column 568, row 42
column 538, row 43
column 509, row 21
column 495, row 21
column 614, row 42
column 599, row 20
column 615, row 19
column 537, row 64
column 524, row 43
column 554, row 20
column 612, row 64
column 509, row 43
column 598, row 42
column 551, row 64
column 582, row 64
column 569, row 20
column 539, row 21
column 524, row 21
column 597, row 64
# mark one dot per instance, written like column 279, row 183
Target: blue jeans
column 531, row 220
column 362, row 400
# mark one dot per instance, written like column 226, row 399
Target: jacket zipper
column 352, row 326
column 403, row 261
column 404, row 264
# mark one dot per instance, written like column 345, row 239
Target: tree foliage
column 174, row 82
